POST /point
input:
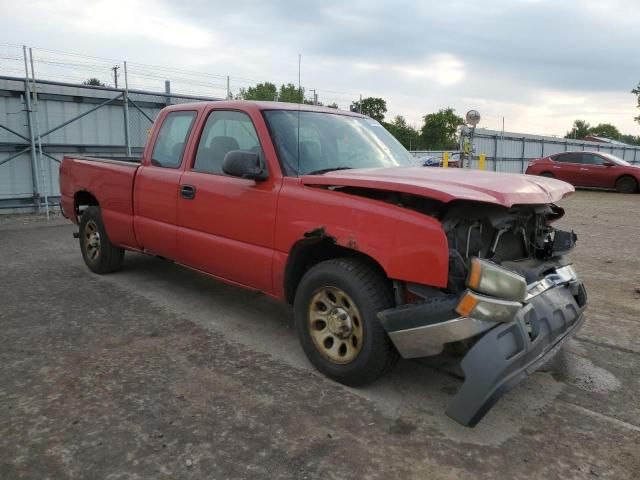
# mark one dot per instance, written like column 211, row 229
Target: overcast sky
column 540, row 64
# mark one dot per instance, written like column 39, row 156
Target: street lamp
column 472, row 118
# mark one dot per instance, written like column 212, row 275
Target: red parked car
column 588, row 169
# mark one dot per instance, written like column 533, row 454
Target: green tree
column 605, row 130
column 375, row 107
column 262, row 91
column 94, row 82
column 636, row 92
column 408, row 136
column 630, row 139
column 439, row 130
column 290, row 93
column 580, row 129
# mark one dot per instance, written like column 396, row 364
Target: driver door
column 594, row 173
column 226, row 224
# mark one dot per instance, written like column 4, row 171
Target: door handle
column 188, row 191
column 584, row 169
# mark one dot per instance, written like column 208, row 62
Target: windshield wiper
column 326, row 170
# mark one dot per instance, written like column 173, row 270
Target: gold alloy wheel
column 92, row 240
column 335, row 325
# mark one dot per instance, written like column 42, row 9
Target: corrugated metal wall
column 513, row 150
column 101, row 132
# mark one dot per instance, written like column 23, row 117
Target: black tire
column 626, row 184
column 371, row 292
column 99, row 254
column 547, row 174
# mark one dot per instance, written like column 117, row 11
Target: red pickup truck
column 325, row 210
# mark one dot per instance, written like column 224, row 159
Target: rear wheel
column 99, row 254
column 626, row 185
column 336, row 308
column 547, row 174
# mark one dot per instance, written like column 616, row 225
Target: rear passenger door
column 226, row 227
column 156, row 186
column 566, row 166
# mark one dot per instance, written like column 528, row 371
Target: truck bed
column 109, row 179
column 117, row 160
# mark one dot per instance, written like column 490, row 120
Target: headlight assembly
column 492, row 279
column 481, row 307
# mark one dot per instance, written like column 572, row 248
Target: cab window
column 172, row 139
column 566, row 158
column 592, row 159
column 223, row 132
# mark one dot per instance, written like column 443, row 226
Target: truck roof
column 261, row 105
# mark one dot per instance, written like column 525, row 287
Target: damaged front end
column 512, row 297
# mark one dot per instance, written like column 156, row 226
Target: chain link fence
column 55, row 103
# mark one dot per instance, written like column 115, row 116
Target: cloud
column 444, row 69
column 539, row 63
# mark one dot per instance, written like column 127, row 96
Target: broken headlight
column 492, row 279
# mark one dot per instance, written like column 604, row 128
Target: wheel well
column 83, row 199
column 309, row 252
column 626, row 175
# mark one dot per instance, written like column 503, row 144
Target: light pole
column 472, row 118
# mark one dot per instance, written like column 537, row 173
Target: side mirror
column 243, row 164
column 608, row 163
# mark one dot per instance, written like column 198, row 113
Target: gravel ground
column 159, row 372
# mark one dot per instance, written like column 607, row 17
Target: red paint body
column 242, row 231
column 583, row 169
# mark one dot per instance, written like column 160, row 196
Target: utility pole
column 315, row 97
column 115, row 74
column 360, row 104
column 299, row 83
column 125, row 109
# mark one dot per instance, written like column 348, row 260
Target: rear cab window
column 172, row 139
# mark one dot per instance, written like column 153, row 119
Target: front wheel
column 99, row 254
column 626, row 185
column 336, row 308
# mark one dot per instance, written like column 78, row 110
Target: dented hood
column 447, row 184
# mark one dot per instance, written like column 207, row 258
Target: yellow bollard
column 483, row 157
column 445, row 160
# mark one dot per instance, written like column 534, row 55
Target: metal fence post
column 524, row 144
column 45, row 187
column 125, row 106
column 167, row 90
column 32, row 140
column 495, row 157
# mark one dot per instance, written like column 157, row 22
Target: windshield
column 316, row 142
column 615, row 159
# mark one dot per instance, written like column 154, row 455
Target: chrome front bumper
column 504, row 353
column 426, row 337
